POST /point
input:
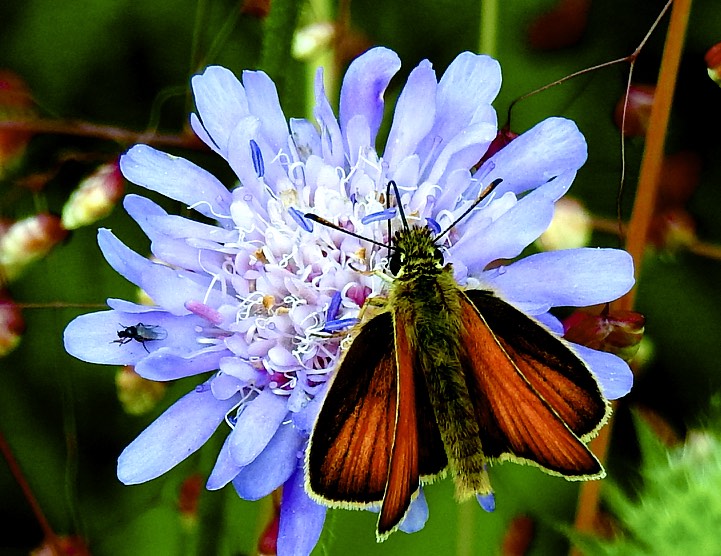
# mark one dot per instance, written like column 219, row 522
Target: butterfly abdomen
column 430, row 299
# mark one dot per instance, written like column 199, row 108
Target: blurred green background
column 128, row 64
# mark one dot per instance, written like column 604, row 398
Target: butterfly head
column 415, row 251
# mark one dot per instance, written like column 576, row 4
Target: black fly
column 141, row 333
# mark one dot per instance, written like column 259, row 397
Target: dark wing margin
column 350, row 446
column 516, row 421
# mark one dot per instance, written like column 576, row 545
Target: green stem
column 489, row 25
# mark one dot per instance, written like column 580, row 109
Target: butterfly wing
column 417, row 447
column 350, row 447
column 512, row 364
column 547, row 362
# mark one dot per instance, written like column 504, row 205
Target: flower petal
column 465, row 92
column 506, row 236
column 613, row 373
column 124, row 260
column 330, row 135
column 90, row 338
column 552, row 147
column 169, row 364
column 168, row 287
column 256, row 426
column 221, row 102
column 569, row 278
column 272, row 467
column 462, row 151
column 417, row 514
column 364, row 84
column 172, row 437
column 301, row 519
column 265, row 105
column 225, row 468
column 414, row 114
column 177, row 179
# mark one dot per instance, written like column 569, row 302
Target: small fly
column 141, row 333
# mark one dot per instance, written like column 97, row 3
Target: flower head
column 255, row 297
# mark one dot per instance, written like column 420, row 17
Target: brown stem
column 51, row 539
column 637, row 235
column 99, row 131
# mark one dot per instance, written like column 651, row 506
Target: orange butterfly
column 446, row 379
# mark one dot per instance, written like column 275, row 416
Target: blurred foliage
column 128, row 64
column 676, row 509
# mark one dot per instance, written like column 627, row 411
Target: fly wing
column 350, row 447
column 417, row 447
column 516, row 421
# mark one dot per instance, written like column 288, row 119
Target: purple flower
column 251, row 298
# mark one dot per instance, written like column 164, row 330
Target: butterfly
column 141, row 333
column 441, row 380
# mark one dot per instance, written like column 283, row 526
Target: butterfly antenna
column 400, row 207
column 329, row 224
column 485, row 193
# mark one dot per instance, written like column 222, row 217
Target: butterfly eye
column 395, row 263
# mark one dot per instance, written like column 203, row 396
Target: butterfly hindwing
column 350, row 448
column 516, row 422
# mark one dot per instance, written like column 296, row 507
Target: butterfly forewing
column 516, row 422
column 553, row 369
column 350, row 448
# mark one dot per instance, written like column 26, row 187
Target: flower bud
column 12, row 325
column 26, row 241
column 638, row 112
column 137, row 395
column 268, row 540
column 617, row 332
column 15, row 104
column 188, row 499
column 312, row 39
column 519, row 535
column 571, row 227
column 256, row 8
column 94, row 198
column 63, row 545
column 713, row 63
column 503, row 137
column 560, row 27
column 673, row 230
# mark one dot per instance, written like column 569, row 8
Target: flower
column 249, row 298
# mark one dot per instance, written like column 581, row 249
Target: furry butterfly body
column 444, row 379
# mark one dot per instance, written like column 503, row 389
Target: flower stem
column 489, row 24
column 644, row 204
column 99, row 131
column 51, row 539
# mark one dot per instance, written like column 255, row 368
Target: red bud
column 15, row 104
column 190, row 491
column 268, row 540
column 561, row 27
column 638, row 112
column 617, row 332
column 503, row 137
column 12, row 324
column 713, row 63
column 27, row 241
column 94, row 198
